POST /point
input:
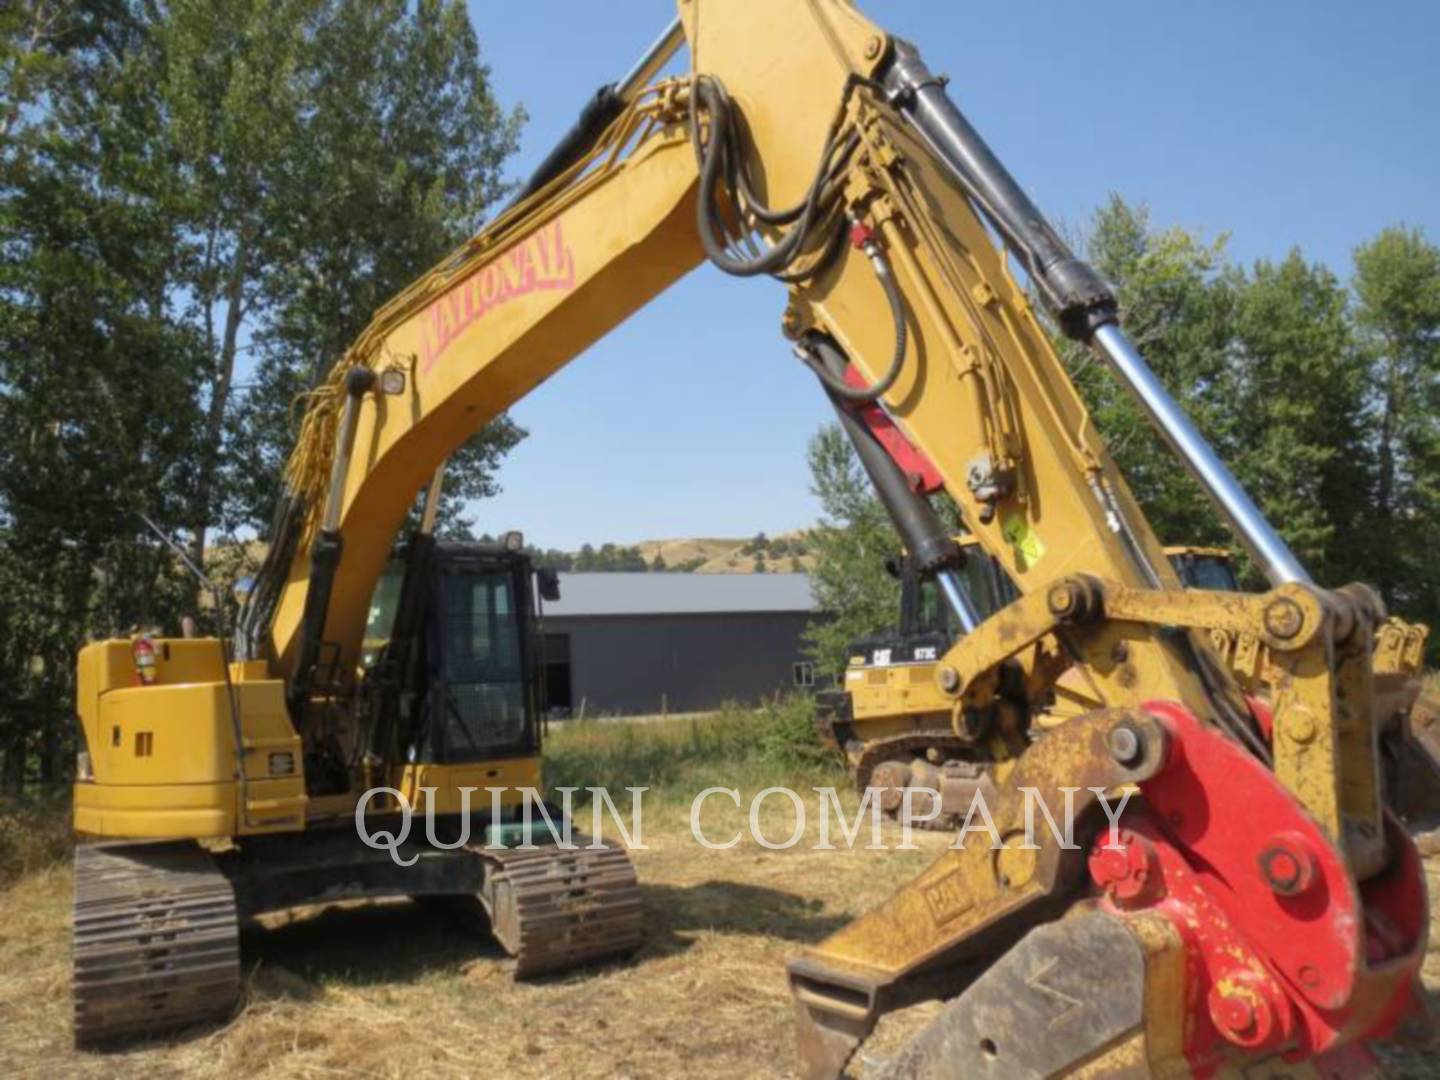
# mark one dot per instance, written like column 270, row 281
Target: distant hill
column 781, row 554
column 784, row 553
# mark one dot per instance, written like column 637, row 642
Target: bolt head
column 1233, row 1015
column 1061, row 600
column 1287, row 865
column 1284, row 619
column 1125, row 745
column 1129, row 873
column 1248, row 1009
column 873, row 47
column 1301, row 726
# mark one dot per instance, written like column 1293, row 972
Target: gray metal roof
column 680, row 594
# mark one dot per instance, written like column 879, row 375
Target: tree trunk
column 1385, row 487
column 219, row 401
column 13, row 781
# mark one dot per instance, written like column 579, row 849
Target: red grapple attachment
column 1287, row 951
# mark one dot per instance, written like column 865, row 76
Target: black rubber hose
column 867, row 394
column 721, row 151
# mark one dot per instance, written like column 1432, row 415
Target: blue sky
column 1281, row 123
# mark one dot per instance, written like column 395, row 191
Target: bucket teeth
column 156, row 943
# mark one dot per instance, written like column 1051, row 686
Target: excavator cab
column 453, row 653
column 926, row 620
column 482, row 670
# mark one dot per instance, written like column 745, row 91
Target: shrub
column 34, row 834
column 735, row 746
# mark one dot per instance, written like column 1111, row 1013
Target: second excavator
column 1260, row 901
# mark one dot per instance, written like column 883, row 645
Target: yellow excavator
column 1258, row 902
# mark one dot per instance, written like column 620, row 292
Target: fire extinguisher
column 144, row 653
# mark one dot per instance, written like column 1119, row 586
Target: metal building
column 672, row 642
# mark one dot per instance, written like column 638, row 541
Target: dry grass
column 389, row 991
column 384, row 990
column 722, row 556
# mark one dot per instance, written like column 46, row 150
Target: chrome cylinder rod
column 431, row 510
column 1077, row 296
column 1262, row 541
column 359, row 381
column 958, row 599
column 655, row 58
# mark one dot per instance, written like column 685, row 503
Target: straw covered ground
column 389, row 990
column 392, row 990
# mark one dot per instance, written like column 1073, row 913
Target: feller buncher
column 1260, row 902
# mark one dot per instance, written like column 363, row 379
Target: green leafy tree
column 331, row 150
column 1299, row 413
column 186, row 187
column 1397, row 291
column 855, row 594
column 1265, row 363
column 98, row 416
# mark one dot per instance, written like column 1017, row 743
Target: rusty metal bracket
column 944, row 928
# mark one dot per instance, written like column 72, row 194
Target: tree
column 185, row 186
column 330, row 151
column 1297, row 436
column 1397, row 290
column 854, row 592
column 97, row 368
column 1266, row 366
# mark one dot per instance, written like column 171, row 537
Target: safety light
column 392, row 381
column 514, row 540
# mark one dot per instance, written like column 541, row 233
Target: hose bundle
column 730, row 214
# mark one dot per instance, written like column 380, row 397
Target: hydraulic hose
column 723, row 168
column 864, row 395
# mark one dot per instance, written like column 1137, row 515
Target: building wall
column 630, row 663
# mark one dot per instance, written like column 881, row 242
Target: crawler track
column 155, row 941
column 554, row 909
